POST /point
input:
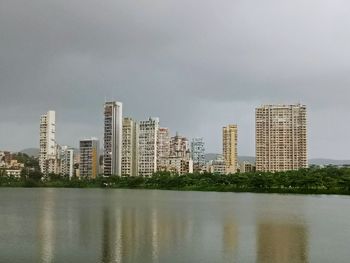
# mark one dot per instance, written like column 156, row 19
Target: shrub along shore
column 330, row 180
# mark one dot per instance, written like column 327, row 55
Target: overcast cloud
column 196, row 64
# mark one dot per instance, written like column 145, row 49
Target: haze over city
column 196, row 65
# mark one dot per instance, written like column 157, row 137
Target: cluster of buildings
column 132, row 148
column 10, row 164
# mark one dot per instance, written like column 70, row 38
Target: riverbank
column 329, row 180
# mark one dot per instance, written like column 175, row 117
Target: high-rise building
column 89, row 158
column 163, row 145
column 229, row 138
column 179, row 160
column 179, row 147
column 112, row 160
column 67, row 161
column 148, row 148
column 281, row 137
column 48, row 149
column 130, row 149
column 198, row 153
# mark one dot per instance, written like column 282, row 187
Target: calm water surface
column 97, row 225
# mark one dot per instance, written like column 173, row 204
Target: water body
column 97, row 225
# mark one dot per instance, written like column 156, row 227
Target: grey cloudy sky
column 197, row 64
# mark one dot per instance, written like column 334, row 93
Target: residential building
column 148, row 148
column 198, row 153
column 229, row 135
column 281, row 137
column 89, row 158
column 246, row 167
column 217, row 166
column 130, row 149
column 48, row 149
column 163, row 146
column 113, row 122
column 67, row 161
column 179, row 160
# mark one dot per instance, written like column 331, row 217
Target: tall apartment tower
column 66, row 161
column 163, row 145
column 48, row 149
column 229, row 139
column 130, row 149
column 198, row 153
column 148, row 148
column 113, row 126
column 281, row 137
column 89, row 158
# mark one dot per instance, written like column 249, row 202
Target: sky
column 196, row 64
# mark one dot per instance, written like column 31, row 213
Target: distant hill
column 329, row 162
column 31, row 152
column 317, row 161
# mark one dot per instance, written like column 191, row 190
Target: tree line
column 329, row 180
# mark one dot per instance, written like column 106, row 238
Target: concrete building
column 89, row 158
column 163, row 146
column 130, row 149
column 281, row 138
column 198, row 153
column 67, row 161
column 246, row 167
column 229, row 138
column 48, row 150
column 148, row 147
column 113, row 122
column 217, row 166
column 179, row 160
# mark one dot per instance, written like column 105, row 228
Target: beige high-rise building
column 281, row 138
column 130, row 149
column 163, row 146
column 229, row 141
column 89, row 158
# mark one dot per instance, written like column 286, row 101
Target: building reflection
column 46, row 227
column 282, row 243
column 230, row 236
column 135, row 235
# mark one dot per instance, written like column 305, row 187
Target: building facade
column 163, row 146
column 130, row 149
column 148, row 146
column 281, row 137
column 229, row 137
column 198, row 153
column 48, row 149
column 113, row 122
column 66, row 161
column 89, row 158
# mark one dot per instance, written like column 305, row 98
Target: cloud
column 196, row 64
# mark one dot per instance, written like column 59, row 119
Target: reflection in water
column 130, row 235
column 47, row 227
column 282, row 243
column 230, row 236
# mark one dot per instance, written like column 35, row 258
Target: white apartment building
column 281, row 137
column 148, row 148
column 89, row 158
column 229, row 137
column 130, row 149
column 113, row 129
column 48, row 149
